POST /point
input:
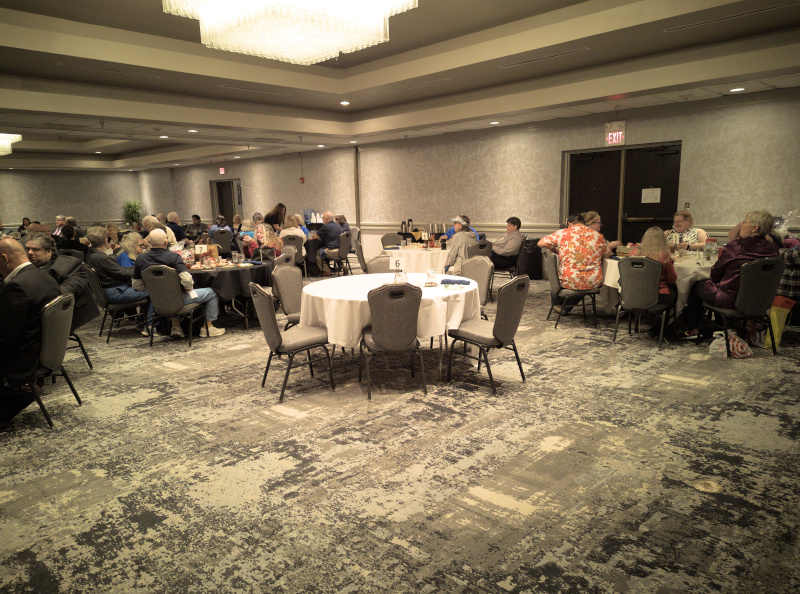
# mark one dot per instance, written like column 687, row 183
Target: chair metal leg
column 330, row 366
column 412, row 363
column 519, row 363
column 111, row 326
column 422, row 369
column 450, row 360
column 488, row 369
column 594, row 309
column 37, row 396
column 616, row 325
column 772, row 335
column 77, row 339
column 286, row 377
column 103, row 325
column 71, row 387
column 725, row 330
column 310, row 364
column 360, row 360
column 264, row 379
column 663, row 323
column 369, row 379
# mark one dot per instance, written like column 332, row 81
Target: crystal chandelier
column 5, row 142
column 295, row 31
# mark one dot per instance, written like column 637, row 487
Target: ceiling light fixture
column 6, row 140
column 294, row 31
column 353, row 142
column 493, row 123
column 192, row 131
column 98, row 152
column 344, row 103
column 237, row 157
column 163, row 136
column 737, row 90
column 320, row 146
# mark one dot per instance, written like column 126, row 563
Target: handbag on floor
column 779, row 315
column 739, row 348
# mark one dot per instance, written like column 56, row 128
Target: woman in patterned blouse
column 684, row 235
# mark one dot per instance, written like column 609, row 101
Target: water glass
column 431, row 276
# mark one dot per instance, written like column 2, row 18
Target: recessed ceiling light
column 737, row 90
column 192, row 131
column 163, row 136
column 320, row 146
column 493, row 123
column 176, row 164
column 98, row 152
column 237, row 157
column 353, row 142
column 344, row 103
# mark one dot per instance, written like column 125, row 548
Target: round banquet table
column 688, row 269
column 232, row 281
column 418, row 259
column 340, row 305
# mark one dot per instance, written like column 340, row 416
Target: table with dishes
column 418, row 259
column 689, row 269
column 233, row 281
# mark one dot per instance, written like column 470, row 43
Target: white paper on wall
column 651, row 195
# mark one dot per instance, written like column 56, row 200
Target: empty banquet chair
column 391, row 240
column 223, row 238
column 56, row 321
column 117, row 310
column 494, row 335
column 551, row 266
column 291, row 251
column 355, row 235
column 285, row 259
column 758, row 283
column 479, row 269
column 287, row 286
column 360, row 255
column 164, row 286
column 639, row 279
column 289, row 342
column 340, row 258
column 239, row 244
column 481, row 248
column 394, row 310
column 74, row 253
column 296, row 242
column 379, row 264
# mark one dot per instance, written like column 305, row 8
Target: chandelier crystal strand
column 295, row 31
column 5, row 142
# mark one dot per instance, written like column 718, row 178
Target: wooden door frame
column 237, row 197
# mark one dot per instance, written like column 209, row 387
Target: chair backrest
column 758, row 282
column 95, row 286
column 379, row 264
column 481, row 248
column 394, row 310
column 265, row 310
column 296, row 242
column 74, row 253
column 164, row 286
column 391, row 239
column 344, row 244
column 285, row 259
column 551, row 268
column 290, row 250
column 356, row 232
column 223, row 238
column 287, row 283
column 510, row 305
column 240, row 244
column 56, row 323
column 639, row 278
column 480, row 269
column 360, row 255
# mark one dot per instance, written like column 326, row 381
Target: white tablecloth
column 340, row 305
column 419, row 260
column 689, row 270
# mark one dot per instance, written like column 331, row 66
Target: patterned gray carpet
column 180, row 474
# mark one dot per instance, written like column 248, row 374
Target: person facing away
column 464, row 223
column 458, row 245
column 328, row 234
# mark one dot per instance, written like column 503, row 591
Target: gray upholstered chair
column 117, row 310
column 479, row 269
column 758, row 282
column 639, row 279
column 570, row 297
column 482, row 248
column 494, row 335
column 285, row 259
column 391, row 239
column 56, row 322
column 164, row 286
column 287, row 286
column 360, row 256
column 394, row 310
column 379, row 264
column 290, row 342
column 340, row 258
column 223, row 238
column 296, row 242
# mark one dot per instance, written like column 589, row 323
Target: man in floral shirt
column 580, row 252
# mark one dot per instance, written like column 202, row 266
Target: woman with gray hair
column 132, row 245
column 722, row 285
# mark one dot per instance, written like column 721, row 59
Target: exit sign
column 615, row 133
column 222, row 171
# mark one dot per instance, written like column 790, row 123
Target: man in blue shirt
column 328, row 234
column 462, row 221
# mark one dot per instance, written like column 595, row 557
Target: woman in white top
column 684, row 235
column 292, row 227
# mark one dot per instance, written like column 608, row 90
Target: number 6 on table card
column 398, row 263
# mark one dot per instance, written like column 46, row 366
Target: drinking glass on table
column 431, row 276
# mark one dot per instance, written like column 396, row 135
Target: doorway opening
column 226, row 198
column 632, row 188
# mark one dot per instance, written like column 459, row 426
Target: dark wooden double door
column 611, row 182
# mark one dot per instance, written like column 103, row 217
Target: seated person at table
column 654, row 246
column 292, row 227
column 459, row 244
column 770, row 234
column 23, row 228
column 265, row 246
column 722, row 285
column 790, row 281
column 506, row 248
column 158, row 254
column 328, row 234
column 301, row 223
column 112, row 231
column 26, row 290
column 196, row 227
column 151, row 223
column 342, row 220
column 79, row 231
column 132, row 245
column 236, row 226
column 174, row 223
column 247, row 228
column 3, row 232
column 61, row 220
column 452, row 230
column 580, row 255
column 684, row 235
column 258, row 218
column 592, row 220
column 66, row 241
column 114, row 279
column 219, row 223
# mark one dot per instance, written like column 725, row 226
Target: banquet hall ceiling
column 94, row 84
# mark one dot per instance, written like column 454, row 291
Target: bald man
column 26, row 289
column 329, row 235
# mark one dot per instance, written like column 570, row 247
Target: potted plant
column 132, row 211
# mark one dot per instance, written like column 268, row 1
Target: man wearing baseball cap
column 462, row 220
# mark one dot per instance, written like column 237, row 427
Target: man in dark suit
column 26, row 289
column 69, row 274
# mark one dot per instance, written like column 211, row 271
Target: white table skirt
column 340, row 305
column 419, row 260
column 688, row 269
